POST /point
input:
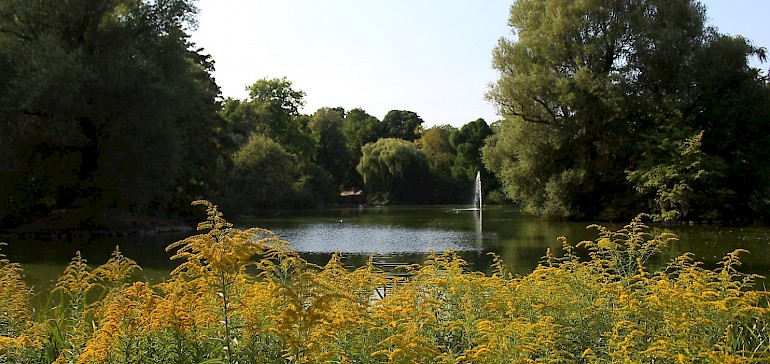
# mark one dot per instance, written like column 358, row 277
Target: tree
column 206, row 148
column 684, row 183
column 435, row 144
column 393, row 170
column 467, row 141
column 326, row 128
column 278, row 96
column 583, row 85
column 271, row 110
column 98, row 101
column 401, row 124
column 528, row 172
column 733, row 111
column 359, row 129
column 440, row 153
column 264, row 175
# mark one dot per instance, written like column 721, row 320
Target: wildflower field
column 241, row 296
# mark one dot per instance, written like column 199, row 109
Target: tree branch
column 545, row 106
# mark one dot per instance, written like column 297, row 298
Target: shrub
column 243, row 296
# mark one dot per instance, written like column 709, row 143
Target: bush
column 242, row 296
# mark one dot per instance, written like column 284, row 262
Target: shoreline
column 53, row 235
column 76, row 223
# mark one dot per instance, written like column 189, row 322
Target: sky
column 432, row 57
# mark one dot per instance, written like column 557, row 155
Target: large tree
column 272, row 110
column 359, row 129
column 585, row 88
column 103, row 104
column 402, row 124
column 264, row 175
column 467, row 141
column 326, row 126
column 435, row 144
column 394, row 170
column 270, row 118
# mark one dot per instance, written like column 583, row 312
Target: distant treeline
column 108, row 104
column 608, row 109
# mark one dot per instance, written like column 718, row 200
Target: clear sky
column 432, row 57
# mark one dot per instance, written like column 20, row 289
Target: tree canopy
column 610, row 108
column 101, row 102
column 359, row 128
column 468, row 141
column 263, row 176
column 326, row 126
column 402, row 124
column 271, row 110
column 394, row 170
column 589, row 90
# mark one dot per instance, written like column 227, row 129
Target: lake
column 397, row 234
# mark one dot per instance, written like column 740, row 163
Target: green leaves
column 590, row 89
column 262, row 175
column 683, row 182
column 393, row 168
column 107, row 91
column 401, row 124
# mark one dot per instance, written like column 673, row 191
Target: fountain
column 477, row 198
column 477, row 192
column 477, row 205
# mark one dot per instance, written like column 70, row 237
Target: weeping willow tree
column 393, row 170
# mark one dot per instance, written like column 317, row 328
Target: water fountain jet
column 477, row 196
column 477, row 202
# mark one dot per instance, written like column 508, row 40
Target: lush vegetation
column 108, row 105
column 608, row 109
column 103, row 104
column 242, row 296
column 617, row 107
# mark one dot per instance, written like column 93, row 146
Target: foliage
column 101, row 101
column 394, row 170
column 263, row 175
column 434, row 142
column 440, row 153
column 107, row 105
column 281, row 159
column 736, row 108
column 359, row 129
column 468, row 141
column 683, row 184
column 272, row 110
column 542, row 186
column 242, row 296
column 590, row 89
column 402, row 124
column 326, row 127
column 15, row 314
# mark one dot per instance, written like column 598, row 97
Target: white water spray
column 477, row 192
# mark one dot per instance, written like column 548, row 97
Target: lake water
column 394, row 235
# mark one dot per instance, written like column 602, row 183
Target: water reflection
column 479, row 222
column 374, row 239
column 401, row 235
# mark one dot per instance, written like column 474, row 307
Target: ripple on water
column 377, row 239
